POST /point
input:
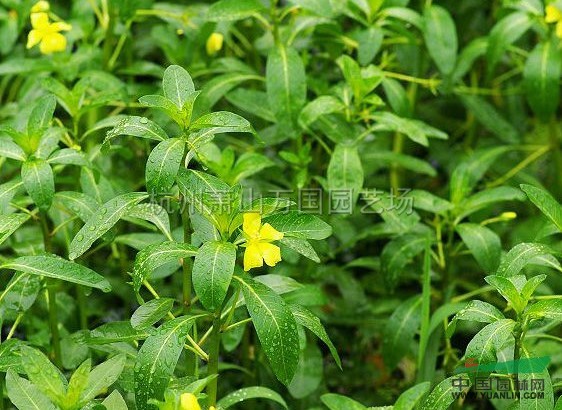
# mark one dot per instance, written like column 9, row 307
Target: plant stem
column 213, row 366
column 83, row 315
column 426, row 306
column 51, row 293
column 187, row 263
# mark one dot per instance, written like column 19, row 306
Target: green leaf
column 20, row 292
column 286, row 85
column 298, row 225
column 323, row 105
column 440, row 36
column 38, row 180
column 157, row 255
column 470, row 171
column 102, row 221
column 487, row 115
column 309, row 372
column 441, row 396
column 485, row 345
column 476, row 311
column 56, row 267
column 155, row 214
column 548, row 309
column 41, row 115
column 345, row 173
column 222, row 121
column 255, row 392
column 520, row 256
column 151, row 312
column 115, row 401
column 506, row 32
column 397, row 253
column 7, row 192
column 117, row 331
column 410, row 399
column 400, row 331
column 215, row 89
column 544, row 397
column 163, row 165
column 10, row 223
column 306, row 318
column 530, row 286
column 82, row 205
column 68, row 156
column 301, row 246
column 135, row 126
column 275, row 325
column 231, row 10
column 9, row 149
column 416, row 130
column 428, row 202
column 43, row 374
column 488, row 197
column 177, row 85
column 212, row 272
column 77, row 384
column 251, row 101
column 483, row 243
column 540, row 79
column 546, row 203
column 381, row 159
column 207, row 194
column 157, row 359
column 25, row 395
column 165, row 104
column 339, row 402
column 508, row 290
column 103, row 376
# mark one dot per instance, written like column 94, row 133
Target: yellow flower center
column 258, row 242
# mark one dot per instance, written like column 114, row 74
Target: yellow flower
column 40, row 6
column 554, row 15
column 214, row 43
column 258, row 246
column 188, row 401
column 46, row 33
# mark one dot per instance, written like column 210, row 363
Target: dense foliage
column 266, row 204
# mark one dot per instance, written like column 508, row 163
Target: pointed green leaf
column 212, row 272
column 298, row 225
column 275, row 325
column 157, row 359
column 151, row 312
column 56, row 267
column 476, row 311
column 102, row 221
column 440, row 36
column 10, row 223
column 43, row 374
column 25, row 395
column 410, row 399
column 102, row 377
column 231, row 10
column 546, row 203
column 157, row 255
column 163, row 165
column 483, row 243
column 306, row 318
column 520, row 256
column 37, row 177
column 177, row 85
column 441, row 397
column 135, row 126
column 9, row 149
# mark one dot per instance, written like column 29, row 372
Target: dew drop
column 143, row 120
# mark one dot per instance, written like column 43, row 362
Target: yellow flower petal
column 60, row 26
column 39, row 21
column 40, row 6
column 252, row 257
column 214, row 43
column 559, row 29
column 271, row 253
column 269, row 233
column 553, row 14
column 188, row 401
column 252, row 223
column 52, row 43
column 34, row 37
